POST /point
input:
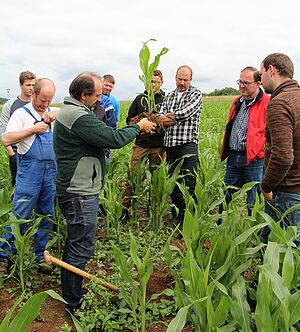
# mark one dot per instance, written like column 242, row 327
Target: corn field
column 221, row 277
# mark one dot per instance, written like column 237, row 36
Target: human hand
column 267, row 196
column 40, row 127
column 146, row 126
column 167, row 120
column 49, row 117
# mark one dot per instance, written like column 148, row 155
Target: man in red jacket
column 244, row 138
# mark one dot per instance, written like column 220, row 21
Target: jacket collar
column 287, row 84
column 75, row 102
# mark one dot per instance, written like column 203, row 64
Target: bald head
column 43, row 93
column 44, row 83
column 183, row 78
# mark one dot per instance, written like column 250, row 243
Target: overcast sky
column 59, row 39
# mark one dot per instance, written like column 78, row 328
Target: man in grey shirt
column 27, row 80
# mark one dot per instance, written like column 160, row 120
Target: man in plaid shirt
column 184, row 105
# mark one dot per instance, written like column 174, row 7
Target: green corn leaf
column 263, row 317
column 246, row 234
column 4, row 327
column 30, row 310
column 188, row 227
column 144, row 58
column 291, row 233
column 277, row 231
column 294, row 308
column 178, row 323
column 133, row 251
column 288, row 267
column 239, row 306
column 221, row 312
column 122, row 265
column 290, row 210
column 192, row 275
column 167, row 292
column 79, row 327
column 271, row 257
column 4, row 209
column 278, row 286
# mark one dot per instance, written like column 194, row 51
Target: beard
column 268, row 90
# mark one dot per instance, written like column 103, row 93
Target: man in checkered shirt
column 184, row 105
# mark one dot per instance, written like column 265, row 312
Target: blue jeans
column 190, row 165
column 282, row 201
column 81, row 214
column 238, row 173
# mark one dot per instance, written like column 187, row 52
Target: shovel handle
column 50, row 259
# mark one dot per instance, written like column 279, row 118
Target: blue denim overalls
column 35, row 184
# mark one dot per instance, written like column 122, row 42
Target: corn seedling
column 160, row 189
column 138, row 182
column 113, row 207
column 147, row 72
column 278, row 300
column 23, row 245
column 135, row 296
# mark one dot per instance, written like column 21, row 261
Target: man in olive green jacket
column 79, row 140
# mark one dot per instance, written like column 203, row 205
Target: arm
column 192, row 105
column 109, row 110
column 280, row 124
column 15, row 137
column 134, row 109
column 98, row 134
column 4, row 117
column 168, row 119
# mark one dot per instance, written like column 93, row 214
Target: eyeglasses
column 239, row 82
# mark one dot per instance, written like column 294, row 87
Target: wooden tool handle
column 50, row 259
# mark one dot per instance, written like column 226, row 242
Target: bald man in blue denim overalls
column 30, row 128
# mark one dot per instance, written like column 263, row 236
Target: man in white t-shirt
column 30, row 129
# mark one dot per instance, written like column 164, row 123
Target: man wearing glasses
column 244, row 139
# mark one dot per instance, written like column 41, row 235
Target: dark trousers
column 189, row 169
column 13, row 166
column 81, row 214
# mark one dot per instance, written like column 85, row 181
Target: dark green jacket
column 79, row 139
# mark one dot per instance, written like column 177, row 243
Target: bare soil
column 52, row 316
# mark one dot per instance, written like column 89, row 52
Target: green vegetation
column 227, row 91
column 147, row 72
column 221, row 277
column 3, row 100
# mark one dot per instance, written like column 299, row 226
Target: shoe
column 4, row 266
column 71, row 311
column 44, row 268
column 68, row 314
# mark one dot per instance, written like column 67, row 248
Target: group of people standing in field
column 67, row 160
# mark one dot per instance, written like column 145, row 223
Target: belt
column 240, row 153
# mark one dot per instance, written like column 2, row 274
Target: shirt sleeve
column 4, row 117
column 98, row 134
column 16, row 122
column 189, row 107
column 133, row 109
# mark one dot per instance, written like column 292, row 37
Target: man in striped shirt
column 184, row 105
